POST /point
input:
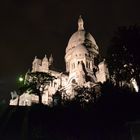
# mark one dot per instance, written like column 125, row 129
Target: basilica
column 83, row 69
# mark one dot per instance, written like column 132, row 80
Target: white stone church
column 83, row 69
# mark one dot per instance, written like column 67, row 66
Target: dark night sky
column 29, row 28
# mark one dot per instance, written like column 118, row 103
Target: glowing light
column 21, row 79
column 135, row 85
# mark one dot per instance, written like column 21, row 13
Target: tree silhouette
column 57, row 98
column 86, row 95
column 36, row 83
column 123, row 54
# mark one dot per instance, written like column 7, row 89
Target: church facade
column 83, row 69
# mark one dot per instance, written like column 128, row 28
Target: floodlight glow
column 20, row 79
column 135, row 85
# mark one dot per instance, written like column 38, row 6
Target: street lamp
column 20, row 79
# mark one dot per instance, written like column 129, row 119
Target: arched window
column 86, row 64
column 55, row 84
column 89, row 65
column 73, row 81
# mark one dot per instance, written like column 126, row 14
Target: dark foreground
column 113, row 117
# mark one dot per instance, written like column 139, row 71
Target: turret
column 51, row 61
column 102, row 74
column 45, row 64
column 35, row 65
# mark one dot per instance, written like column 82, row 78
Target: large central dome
column 81, row 37
column 81, row 47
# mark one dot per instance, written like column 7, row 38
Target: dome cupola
column 80, row 23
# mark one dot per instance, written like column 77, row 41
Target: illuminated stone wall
column 81, row 53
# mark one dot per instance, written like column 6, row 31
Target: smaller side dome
column 80, row 49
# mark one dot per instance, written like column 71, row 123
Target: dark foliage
column 107, row 119
column 123, row 54
column 36, row 83
column 86, row 95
